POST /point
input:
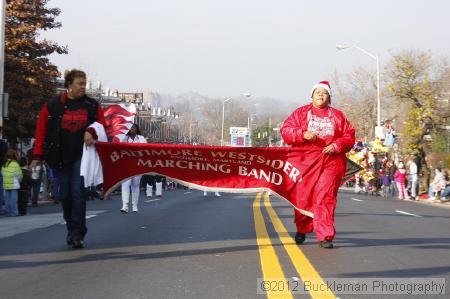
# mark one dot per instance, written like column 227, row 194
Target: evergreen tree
column 29, row 74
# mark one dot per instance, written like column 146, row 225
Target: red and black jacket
column 61, row 127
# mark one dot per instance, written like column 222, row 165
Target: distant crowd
column 384, row 175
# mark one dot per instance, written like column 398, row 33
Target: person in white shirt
column 133, row 136
column 414, row 177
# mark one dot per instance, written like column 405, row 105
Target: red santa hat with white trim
column 323, row 84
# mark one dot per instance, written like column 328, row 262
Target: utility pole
column 270, row 133
column 2, row 61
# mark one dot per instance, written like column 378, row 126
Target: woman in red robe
column 324, row 133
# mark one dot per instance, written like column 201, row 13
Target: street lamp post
column 190, row 130
column 2, row 61
column 223, row 112
column 250, row 122
column 190, row 125
column 343, row 47
column 223, row 117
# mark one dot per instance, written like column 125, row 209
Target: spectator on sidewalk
column 25, row 187
column 391, row 169
column 445, row 194
column 413, row 178
column 36, row 177
column 12, row 175
column 385, row 182
column 45, row 183
column 438, row 184
column 400, row 180
column 3, row 150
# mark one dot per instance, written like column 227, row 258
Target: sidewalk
column 420, row 201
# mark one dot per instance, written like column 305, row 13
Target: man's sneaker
column 326, row 244
column 69, row 240
column 123, row 211
column 300, row 238
column 77, row 244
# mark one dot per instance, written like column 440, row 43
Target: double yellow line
column 270, row 264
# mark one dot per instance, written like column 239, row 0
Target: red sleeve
column 41, row 130
column 101, row 116
column 291, row 130
column 100, row 120
column 346, row 142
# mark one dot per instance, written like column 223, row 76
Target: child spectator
column 385, row 182
column 400, row 180
column 12, row 175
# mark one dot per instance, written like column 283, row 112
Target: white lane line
column 355, row 199
column 189, row 192
column 90, row 214
column 150, row 200
column 87, row 217
column 409, row 214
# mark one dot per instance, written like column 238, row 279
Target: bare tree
column 357, row 99
column 236, row 115
column 416, row 80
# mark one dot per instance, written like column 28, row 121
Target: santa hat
column 323, row 84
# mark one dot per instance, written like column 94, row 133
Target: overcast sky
column 278, row 49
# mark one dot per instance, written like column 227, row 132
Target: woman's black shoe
column 300, row 238
column 326, row 244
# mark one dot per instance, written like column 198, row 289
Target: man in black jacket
column 61, row 131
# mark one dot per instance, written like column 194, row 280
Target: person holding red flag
column 322, row 132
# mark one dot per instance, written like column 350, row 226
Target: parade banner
column 286, row 171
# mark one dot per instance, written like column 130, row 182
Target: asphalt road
column 189, row 246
